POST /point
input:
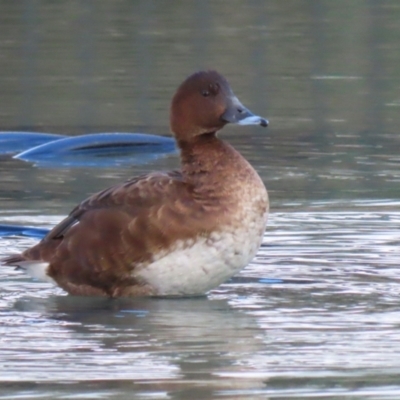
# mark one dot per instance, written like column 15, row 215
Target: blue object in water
column 100, row 149
column 16, row 230
column 15, row 142
column 249, row 279
column 270, row 280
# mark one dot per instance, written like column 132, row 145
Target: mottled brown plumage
column 107, row 243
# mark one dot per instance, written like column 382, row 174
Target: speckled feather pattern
column 194, row 266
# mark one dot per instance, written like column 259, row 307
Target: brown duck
column 178, row 233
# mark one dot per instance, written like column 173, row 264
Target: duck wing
column 97, row 246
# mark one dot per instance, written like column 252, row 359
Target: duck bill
column 237, row 113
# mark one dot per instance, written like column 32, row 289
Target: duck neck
column 205, row 158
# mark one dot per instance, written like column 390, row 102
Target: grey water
column 317, row 313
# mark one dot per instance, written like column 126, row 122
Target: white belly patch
column 194, row 267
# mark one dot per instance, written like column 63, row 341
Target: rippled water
column 329, row 326
column 316, row 314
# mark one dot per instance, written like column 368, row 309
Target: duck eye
column 205, row 93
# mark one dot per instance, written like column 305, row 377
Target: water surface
column 316, row 314
column 330, row 327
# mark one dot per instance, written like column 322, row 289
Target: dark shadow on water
column 153, row 341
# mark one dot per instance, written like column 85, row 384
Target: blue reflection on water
column 15, row 230
column 100, row 150
column 14, row 142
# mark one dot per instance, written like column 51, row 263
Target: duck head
column 203, row 104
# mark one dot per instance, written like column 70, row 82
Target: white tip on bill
column 253, row 120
